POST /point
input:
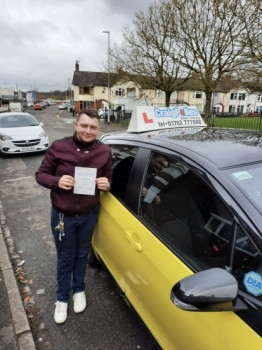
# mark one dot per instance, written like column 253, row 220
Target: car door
column 170, row 237
column 108, row 239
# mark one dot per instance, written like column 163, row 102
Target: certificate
column 151, row 194
column 85, row 180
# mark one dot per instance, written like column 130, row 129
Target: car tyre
column 91, row 258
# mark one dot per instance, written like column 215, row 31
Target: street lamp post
column 108, row 57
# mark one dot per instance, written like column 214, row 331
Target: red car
column 38, row 106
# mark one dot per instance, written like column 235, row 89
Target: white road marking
column 19, row 178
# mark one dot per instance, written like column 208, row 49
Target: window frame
column 197, row 95
column 131, row 92
column 84, row 90
column 119, row 91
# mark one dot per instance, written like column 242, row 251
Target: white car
column 21, row 133
column 101, row 113
column 63, row 106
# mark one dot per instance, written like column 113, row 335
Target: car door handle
column 133, row 239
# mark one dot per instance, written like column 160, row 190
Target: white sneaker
column 79, row 302
column 60, row 312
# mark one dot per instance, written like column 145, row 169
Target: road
column 107, row 323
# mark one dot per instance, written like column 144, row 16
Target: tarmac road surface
column 107, row 322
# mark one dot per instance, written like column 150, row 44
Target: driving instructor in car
column 75, row 169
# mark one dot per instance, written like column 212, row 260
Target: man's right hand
column 144, row 191
column 66, row 182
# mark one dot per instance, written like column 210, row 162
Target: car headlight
column 5, row 137
column 43, row 134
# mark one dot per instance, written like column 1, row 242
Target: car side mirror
column 41, row 124
column 210, row 290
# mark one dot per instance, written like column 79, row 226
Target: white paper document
column 152, row 192
column 85, row 180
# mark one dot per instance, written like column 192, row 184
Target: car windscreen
column 17, row 120
column 248, row 180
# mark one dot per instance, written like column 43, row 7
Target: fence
column 246, row 121
column 118, row 116
column 229, row 121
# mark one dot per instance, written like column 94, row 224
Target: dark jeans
column 72, row 251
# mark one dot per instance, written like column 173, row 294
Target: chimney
column 77, row 67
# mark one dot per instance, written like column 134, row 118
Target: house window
column 159, row 94
column 236, row 96
column 84, row 90
column 233, row 96
column 241, row 96
column 232, row 109
column 240, row 109
column 131, row 92
column 259, row 97
column 197, row 94
column 119, row 92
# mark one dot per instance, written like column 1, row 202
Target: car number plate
column 28, row 148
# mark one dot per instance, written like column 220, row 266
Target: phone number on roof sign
column 174, row 123
column 176, row 112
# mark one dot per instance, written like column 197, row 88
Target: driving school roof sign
column 151, row 118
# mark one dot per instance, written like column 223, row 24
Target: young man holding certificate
column 76, row 169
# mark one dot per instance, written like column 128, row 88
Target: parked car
column 38, row 106
column 115, row 113
column 63, row 106
column 16, row 107
column 101, row 113
column 180, row 230
column 42, row 104
column 21, row 133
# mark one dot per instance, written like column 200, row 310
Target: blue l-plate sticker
column 253, row 283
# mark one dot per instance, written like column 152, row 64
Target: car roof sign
column 148, row 118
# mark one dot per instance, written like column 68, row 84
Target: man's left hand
column 102, row 183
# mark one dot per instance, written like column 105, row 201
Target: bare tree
column 147, row 54
column 250, row 73
column 211, row 37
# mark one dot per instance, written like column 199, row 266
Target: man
column 157, row 164
column 75, row 168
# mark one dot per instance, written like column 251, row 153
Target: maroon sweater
column 61, row 159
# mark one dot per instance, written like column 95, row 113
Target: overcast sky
column 40, row 40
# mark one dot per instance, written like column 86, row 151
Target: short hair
column 90, row 113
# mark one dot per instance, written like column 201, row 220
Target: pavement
column 15, row 331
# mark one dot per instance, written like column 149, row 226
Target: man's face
column 86, row 128
column 158, row 163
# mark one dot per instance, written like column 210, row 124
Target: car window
column 14, row 121
column 123, row 159
column 185, row 213
column 248, row 180
column 247, row 265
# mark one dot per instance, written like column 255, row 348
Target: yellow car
column 180, row 231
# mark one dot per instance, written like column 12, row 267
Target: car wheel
column 91, row 258
column 2, row 155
